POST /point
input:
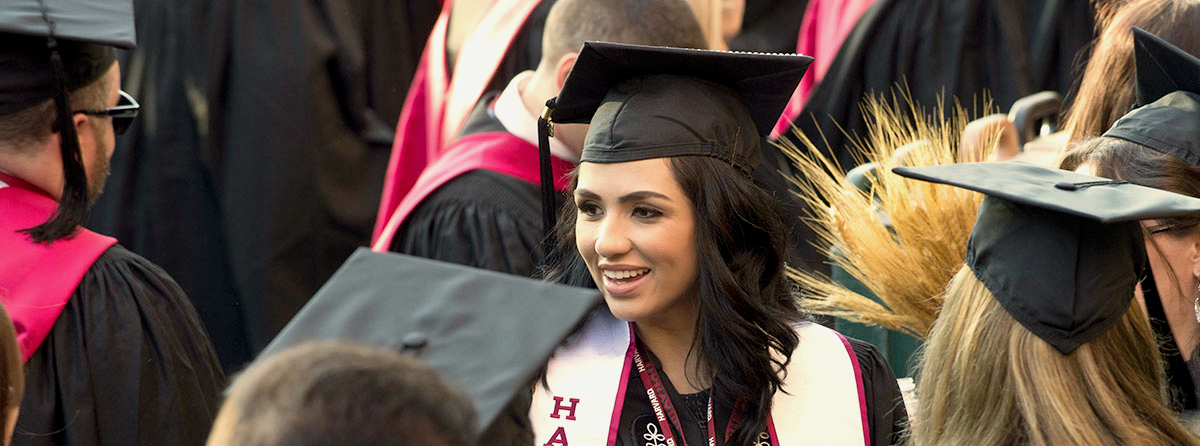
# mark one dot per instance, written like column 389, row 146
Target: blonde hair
column 986, row 380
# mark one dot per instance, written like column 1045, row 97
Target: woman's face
column 1178, row 293
column 1175, row 271
column 636, row 231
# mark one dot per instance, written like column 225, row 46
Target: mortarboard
column 648, row 102
column 50, row 48
column 1060, row 251
column 106, row 22
column 1162, row 68
column 486, row 332
column 1167, row 119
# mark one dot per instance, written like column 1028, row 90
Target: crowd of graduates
column 617, row 222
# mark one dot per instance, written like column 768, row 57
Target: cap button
column 414, row 341
column 1067, row 186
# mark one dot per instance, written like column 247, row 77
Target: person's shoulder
column 866, row 354
column 121, row 273
column 489, row 192
column 126, row 296
column 813, row 330
column 482, row 219
column 117, row 255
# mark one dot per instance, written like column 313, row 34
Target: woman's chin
column 623, row 311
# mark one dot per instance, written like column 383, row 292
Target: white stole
column 824, row 402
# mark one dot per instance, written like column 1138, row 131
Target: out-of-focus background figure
column 342, row 393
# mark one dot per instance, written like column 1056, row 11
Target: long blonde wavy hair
column 986, row 380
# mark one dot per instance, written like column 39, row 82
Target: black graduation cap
column 1168, row 99
column 47, row 49
column 106, row 22
column 1061, row 251
column 652, row 102
column 486, row 332
column 1162, row 68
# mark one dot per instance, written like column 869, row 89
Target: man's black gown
column 127, row 363
column 482, row 218
column 257, row 166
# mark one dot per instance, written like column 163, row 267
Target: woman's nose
column 612, row 240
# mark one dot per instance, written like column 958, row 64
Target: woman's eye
column 646, row 212
column 588, row 209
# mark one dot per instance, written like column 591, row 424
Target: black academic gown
column 160, row 199
column 127, row 363
column 770, row 26
column 886, row 416
column 482, row 218
column 952, row 48
column 257, row 164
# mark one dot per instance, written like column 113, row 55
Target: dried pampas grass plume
column 903, row 239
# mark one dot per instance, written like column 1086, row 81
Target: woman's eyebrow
column 642, row 195
column 632, row 196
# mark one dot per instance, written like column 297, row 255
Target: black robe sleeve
column 886, row 415
column 127, row 363
column 482, row 219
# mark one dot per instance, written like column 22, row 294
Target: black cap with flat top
column 647, row 102
column 1060, row 251
column 1166, row 120
column 84, row 32
column 487, row 333
column 653, row 102
column 49, row 48
column 1168, row 99
column 105, row 22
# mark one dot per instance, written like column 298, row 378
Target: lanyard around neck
column 664, row 409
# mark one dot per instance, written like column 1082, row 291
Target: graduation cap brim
column 1059, row 190
column 105, row 22
column 1060, row 251
column 763, row 82
column 487, row 333
column 1162, row 68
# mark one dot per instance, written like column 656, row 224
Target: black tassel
column 545, row 132
column 72, row 206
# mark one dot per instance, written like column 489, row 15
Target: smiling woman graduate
column 702, row 341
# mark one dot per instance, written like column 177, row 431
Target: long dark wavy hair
column 745, row 334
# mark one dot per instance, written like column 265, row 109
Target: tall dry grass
column 903, row 239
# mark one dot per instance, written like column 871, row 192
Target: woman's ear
column 1193, row 247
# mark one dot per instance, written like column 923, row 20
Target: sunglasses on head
column 122, row 115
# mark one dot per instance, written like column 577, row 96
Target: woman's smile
column 636, row 232
column 622, row 280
